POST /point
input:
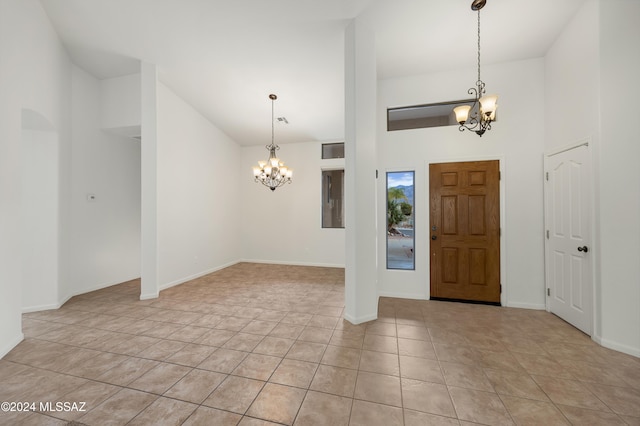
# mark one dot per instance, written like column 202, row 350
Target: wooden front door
column 465, row 230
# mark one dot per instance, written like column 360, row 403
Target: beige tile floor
column 263, row 344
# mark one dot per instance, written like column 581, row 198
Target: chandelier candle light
column 483, row 110
column 272, row 173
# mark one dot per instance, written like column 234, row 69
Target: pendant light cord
column 479, row 45
column 272, row 124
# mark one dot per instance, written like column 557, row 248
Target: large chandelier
column 272, row 173
column 477, row 117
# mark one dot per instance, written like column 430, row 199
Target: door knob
column 433, row 237
column 583, row 248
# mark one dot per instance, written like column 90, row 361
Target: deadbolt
column 433, row 237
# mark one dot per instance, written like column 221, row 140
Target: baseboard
column 101, row 286
column 534, row 306
column 39, row 308
column 12, row 344
column 61, row 302
column 282, row 262
column 149, row 296
column 360, row 320
column 616, row 346
column 197, row 275
column 47, row 307
column 395, row 295
column 142, row 296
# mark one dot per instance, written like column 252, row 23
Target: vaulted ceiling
column 225, row 57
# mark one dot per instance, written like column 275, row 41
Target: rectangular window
column 332, row 150
column 333, row 198
column 421, row 116
column 400, row 220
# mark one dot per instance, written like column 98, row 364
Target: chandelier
column 477, row 117
column 272, row 173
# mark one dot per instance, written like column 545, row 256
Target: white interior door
column 568, row 226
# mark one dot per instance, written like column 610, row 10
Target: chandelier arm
column 471, row 124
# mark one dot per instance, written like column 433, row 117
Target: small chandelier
column 272, row 173
column 483, row 110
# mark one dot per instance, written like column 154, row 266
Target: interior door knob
column 583, row 248
column 433, row 237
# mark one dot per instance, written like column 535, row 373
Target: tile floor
column 263, row 344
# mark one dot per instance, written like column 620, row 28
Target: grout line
column 175, row 302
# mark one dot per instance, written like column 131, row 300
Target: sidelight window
column 400, row 220
column 333, row 198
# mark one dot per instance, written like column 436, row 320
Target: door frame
column 594, row 249
column 503, row 216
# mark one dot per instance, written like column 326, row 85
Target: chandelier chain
column 272, row 124
column 479, row 45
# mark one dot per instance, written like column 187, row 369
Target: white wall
column 40, row 216
column 590, row 87
column 285, row 226
column 120, row 102
column 105, row 237
column 571, row 86
column 517, row 140
column 198, row 193
column 619, row 175
column 34, row 75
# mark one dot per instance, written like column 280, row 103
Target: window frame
column 329, row 144
column 413, row 215
column 322, row 197
column 396, row 125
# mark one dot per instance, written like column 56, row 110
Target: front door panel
column 465, row 230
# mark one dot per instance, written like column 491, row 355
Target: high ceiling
column 225, row 57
